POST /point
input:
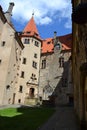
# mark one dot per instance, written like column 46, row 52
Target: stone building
column 79, row 59
column 33, row 68
column 10, row 52
column 55, row 70
column 27, row 87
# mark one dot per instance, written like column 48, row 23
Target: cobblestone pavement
column 63, row 119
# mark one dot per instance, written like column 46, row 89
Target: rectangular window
column 22, row 74
column 36, row 44
column 26, row 41
column 44, row 64
column 61, row 61
column 3, row 43
column 34, row 64
column 0, row 61
column 20, row 88
column 24, row 61
column 35, row 55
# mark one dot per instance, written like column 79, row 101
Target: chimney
column 8, row 13
column 55, row 40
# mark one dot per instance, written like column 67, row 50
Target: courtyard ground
column 63, row 119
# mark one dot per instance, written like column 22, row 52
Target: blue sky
column 49, row 15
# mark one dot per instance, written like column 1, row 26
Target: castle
column 33, row 69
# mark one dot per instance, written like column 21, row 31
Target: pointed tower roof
column 31, row 29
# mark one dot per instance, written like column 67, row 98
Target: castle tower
column 30, row 61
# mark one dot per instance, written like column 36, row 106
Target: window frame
column 43, row 64
column 26, row 41
column 24, row 60
column 34, row 64
column 22, row 74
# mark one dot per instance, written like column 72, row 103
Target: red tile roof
column 66, row 41
column 31, row 29
column 48, row 45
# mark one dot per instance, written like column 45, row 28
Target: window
column 26, row 41
column 61, row 61
column 8, row 87
column 44, row 64
column 33, row 77
column 24, row 61
column 35, row 55
column 0, row 61
column 28, row 32
column 20, row 89
column 22, row 74
column 34, row 64
column 48, row 42
column 36, row 44
column 3, row 43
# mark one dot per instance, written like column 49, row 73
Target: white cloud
column 45, row 10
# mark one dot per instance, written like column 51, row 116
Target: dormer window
column 28, row 32
column 48, row 42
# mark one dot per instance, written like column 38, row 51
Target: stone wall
column 53, row 78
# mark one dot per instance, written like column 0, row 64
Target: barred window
column 61, row 61
column 44, row 64
column 34, row 64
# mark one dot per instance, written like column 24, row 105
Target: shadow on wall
column 63, row 94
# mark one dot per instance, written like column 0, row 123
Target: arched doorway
column 31, row 92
